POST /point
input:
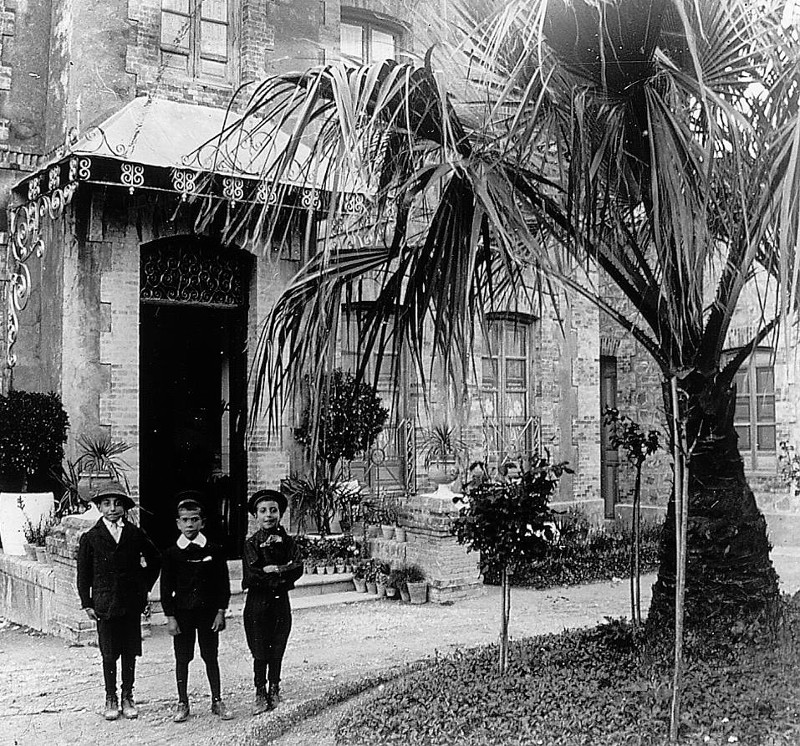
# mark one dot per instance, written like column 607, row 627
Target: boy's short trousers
column 195, row 625
column 120, row 636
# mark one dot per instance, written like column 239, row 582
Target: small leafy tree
column 638, row 446
column 509, row 524
column 345, row 422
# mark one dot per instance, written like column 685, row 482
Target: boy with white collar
column 195, row 590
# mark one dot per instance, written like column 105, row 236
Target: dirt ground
column 51, row 693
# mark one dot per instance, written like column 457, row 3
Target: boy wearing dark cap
column 117, row 567
column 271, row 565
column 195, row 590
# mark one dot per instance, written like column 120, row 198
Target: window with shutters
column 755, row 412
column 510, row 428
column 364, row 37
column 196, row 37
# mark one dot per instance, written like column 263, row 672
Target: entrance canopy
column 193, row 151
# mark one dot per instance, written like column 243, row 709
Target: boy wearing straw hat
column 117, row 567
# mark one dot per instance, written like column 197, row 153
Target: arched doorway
column 193, row 324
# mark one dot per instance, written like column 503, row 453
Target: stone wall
column 44, row 596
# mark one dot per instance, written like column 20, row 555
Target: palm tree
column 652, row 144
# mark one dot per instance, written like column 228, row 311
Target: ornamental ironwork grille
column 194, row 276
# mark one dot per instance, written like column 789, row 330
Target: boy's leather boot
column 220, row 709
column 274, row 693
column 263, row 702
column 128, row 708
column 181, row 714
column 111, row 711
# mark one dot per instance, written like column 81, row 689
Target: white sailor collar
column 200, row 540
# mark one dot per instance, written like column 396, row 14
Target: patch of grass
column 598, row 687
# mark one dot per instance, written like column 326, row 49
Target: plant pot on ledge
column 443, row 474
column 417, row 592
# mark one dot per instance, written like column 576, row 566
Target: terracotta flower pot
column 360, row 585
column 400, row 533
column 418, row 592
column 404, row 595
column 372, row 587
column 387, row 531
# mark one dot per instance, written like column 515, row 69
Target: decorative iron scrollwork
column 188, row 275
column 25, row 236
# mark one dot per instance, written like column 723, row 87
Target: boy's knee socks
column 182, row 679
column 212, row 672
column 110, row 676
column 259, row 673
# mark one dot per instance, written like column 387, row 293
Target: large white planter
column 37, row 506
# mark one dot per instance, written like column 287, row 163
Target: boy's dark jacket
column 194, row 578
column 114, row 579
column 273, row 547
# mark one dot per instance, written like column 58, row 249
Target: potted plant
column 36, row 533
column 360, row 577
column 397, row 580
column 371, row 576
column 100, row 459
column 388, row 518
column 400, row 533
column 390, row 585
column 329, row 554
column 441, row 450
column 416, row 584
column 381, row 579
column 33, row 430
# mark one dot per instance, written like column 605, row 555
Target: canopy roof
column 193, row 150
column 172, row 134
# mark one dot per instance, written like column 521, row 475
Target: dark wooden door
column 609, row 456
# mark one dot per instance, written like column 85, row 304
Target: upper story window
column 366, row 38
column 196, row 37
column 755, row 412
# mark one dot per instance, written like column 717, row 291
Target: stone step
column 310, row 590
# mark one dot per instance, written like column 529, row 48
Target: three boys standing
column 118, row 565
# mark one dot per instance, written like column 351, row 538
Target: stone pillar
column 451, row 572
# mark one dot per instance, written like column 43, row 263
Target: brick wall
column 451, row 572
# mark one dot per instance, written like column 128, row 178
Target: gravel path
column 51, row 693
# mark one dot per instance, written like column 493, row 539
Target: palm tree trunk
column 681, row 461
column 729, row 575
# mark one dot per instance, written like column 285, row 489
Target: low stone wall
column 27, row 592
column 452, row 573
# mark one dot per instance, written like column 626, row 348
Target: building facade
column 147, row 328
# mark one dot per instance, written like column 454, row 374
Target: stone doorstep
column 338, row 587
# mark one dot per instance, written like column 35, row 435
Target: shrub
column 585, row 554
column 33, row 430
